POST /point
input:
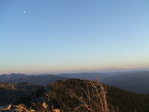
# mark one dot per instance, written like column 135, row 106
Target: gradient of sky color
column 53, row 36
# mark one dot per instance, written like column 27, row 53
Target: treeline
column 72, row 92
column 126, row 101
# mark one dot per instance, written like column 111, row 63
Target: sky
column 65, row 36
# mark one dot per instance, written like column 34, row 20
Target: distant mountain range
column 136, row 81
column 34, row 79
column 92, row 75
column 4, row 77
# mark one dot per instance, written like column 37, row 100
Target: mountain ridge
column 34, row 79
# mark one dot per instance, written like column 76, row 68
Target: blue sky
column 54, row 36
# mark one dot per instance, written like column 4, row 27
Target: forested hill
column 118, row 100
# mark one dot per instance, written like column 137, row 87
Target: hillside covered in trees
column 72, row 92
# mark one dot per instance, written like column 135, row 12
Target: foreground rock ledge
column 22, row 108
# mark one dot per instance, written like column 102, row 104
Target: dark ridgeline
column 44, row 79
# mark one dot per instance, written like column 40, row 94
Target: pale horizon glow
column 73, row 36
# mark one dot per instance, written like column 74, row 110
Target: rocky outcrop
column 26, row 97
column 44, row 104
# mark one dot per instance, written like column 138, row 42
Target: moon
column 24, row 12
